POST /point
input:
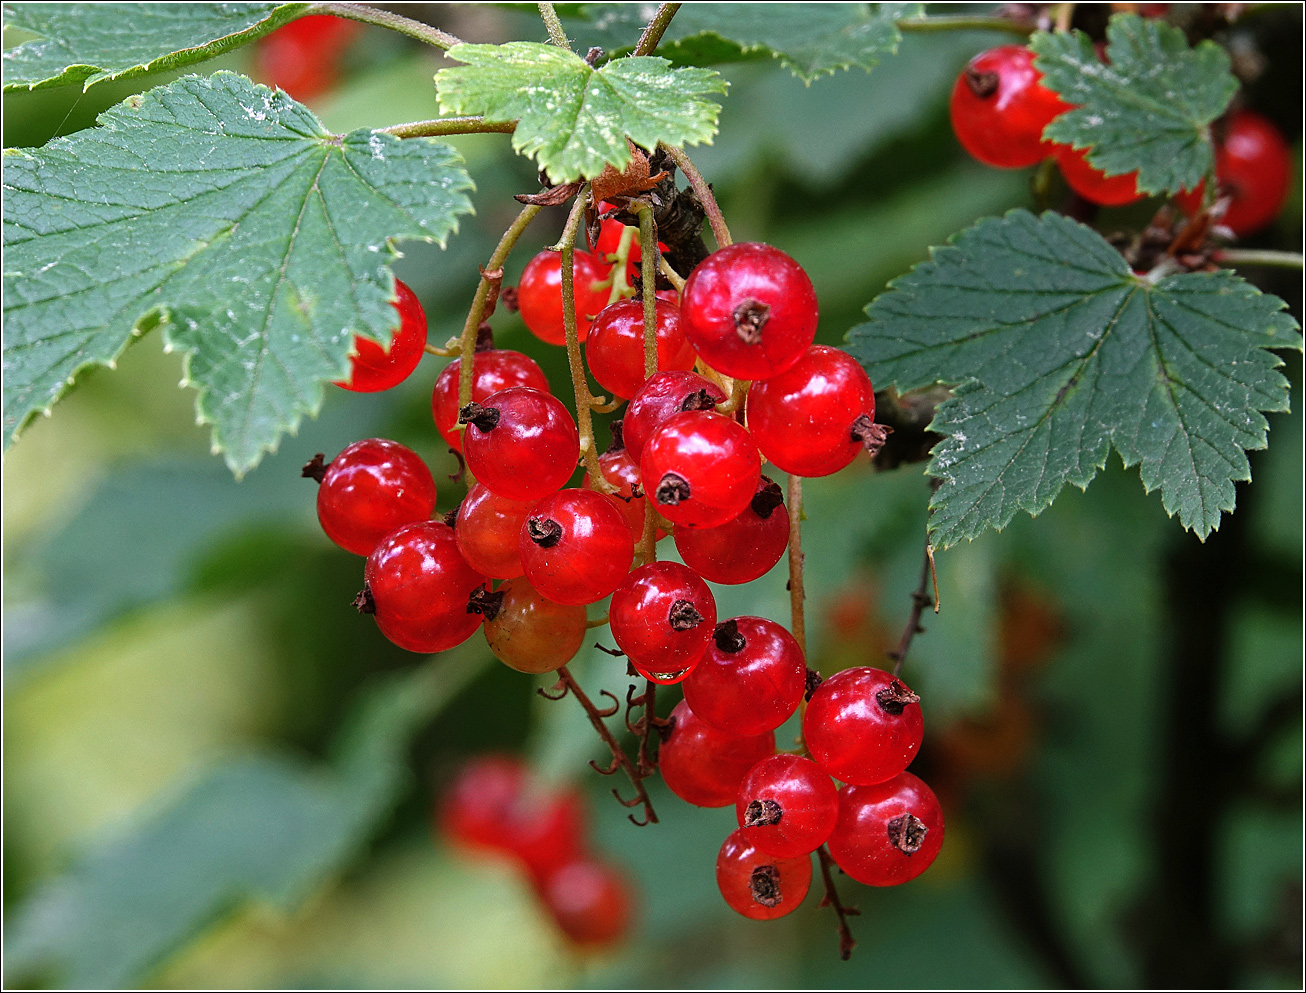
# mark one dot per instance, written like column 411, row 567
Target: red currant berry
column 419, row 585
column 369, row 490
column 662, row 616
column 525, row 631
column 615, row 349
column 1000, row 107
column 301, row 57
column 492, row 371
column 539, row 294
column 1093, row 184
column 488, row 530
column 888, row 833
column 591, row 901
column 701, row 468
column 787, row 806
column 863, row 726
column 813, row 418
column 743, row 549
column 664, row 394
column 374, row 368
column 750, row 679
column 758, row 885
column 749, row 310
column 576, row 546
column 1252, row 165
column 622, row 471
column 704, row 767
column 521, row 443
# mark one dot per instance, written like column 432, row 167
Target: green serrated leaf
column 89, row 43
column 575, row 119
column 1149, row 108
column 224, row 212
column 267, row 828
column 1062, row 353
column 811, row 40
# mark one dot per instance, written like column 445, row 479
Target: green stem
column 704, row 192
column 648, row 41
column 648, row 247
column 554, row 25
column 385, row 19
column 798, row 624
column 450, row 125
column 1259, row 256
column 964, row 24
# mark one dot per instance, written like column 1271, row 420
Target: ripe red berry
column 758, row 885
column 488, row 530
column 750, row 679
column 591, row 901
column 863, row 726
column 492, row 371
column 664, row 394
column 615, row 348
column 369, row 490
column 704, row 767
column 1093, row 184
column 419, row 585
column 742, row 549
column 374, row 368
column 1252, row 166
column 701, row 468
column 888, row 833
column 576, row 546
column 813, row 418
column 521, row 443
column 525, row 631
column 787, row 806
column 622, row 471
column 539, row 294
column 302, row 57
column 749, row 310
column 662, row 616
column 1000, row 107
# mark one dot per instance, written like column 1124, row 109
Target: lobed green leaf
column 1062, row 353
column 574, row 119
column 89, row 43
column 223, row 212
column 1148, row 108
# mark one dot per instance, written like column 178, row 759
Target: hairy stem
column 831, row 898
column 554, row 25
column 705, row 196
column 648, row 41
column 386, row 19
column 449, row 125
column 964, row 24
column 648, row 247
column 797, row 621
column 1259, row 256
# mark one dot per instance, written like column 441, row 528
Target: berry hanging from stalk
column 374, row 368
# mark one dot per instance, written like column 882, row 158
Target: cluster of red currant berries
column 494, row 806
column 1000, row 107
column 689, row 461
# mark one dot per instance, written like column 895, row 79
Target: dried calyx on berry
column 764, row 885
column 728, row 637
column 486, row 603
column 762, row 813
column 767, row 499
column 315, row 468
column 683, row 616
column 907, row 833
column 894, row 697
column 544, row 531
column 750, row 318
column 871, row 435
column 672, row 489
column 485, row 418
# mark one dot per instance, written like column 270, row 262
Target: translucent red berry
column 1000, row 107
column 370, row 489
column 787, row 806
column 303, row 57
column 590, row 900
column 703, row 766
column 521, row 443
column 488, row 530
column 492, row 371
column 525, row 631
column 615, row 347
column 662, row 616
column 539, row 294
column 758, row 885
column 664, row 394
column 419, row 585
column 888, row 833
column 700, row 468
column 750, row 679
column 863, row 726
column 742, row 549
column 813, row 418
column 1253, row 167
column 749, row 310
column 1093, row 184
column 622, row 471
column 576, row 546
column 373, row 368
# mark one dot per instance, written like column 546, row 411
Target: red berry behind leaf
column 1000, row 107
column 1093, row 184
column 374, row 368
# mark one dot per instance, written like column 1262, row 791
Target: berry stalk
column 831, row 899
column 648, row 41
column 554, row 25
column 920, row 599
column 797, row 621
column 705, row 196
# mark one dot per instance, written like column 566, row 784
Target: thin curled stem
column 387, row 19
column 648, row 41
column 841, row 910
column 705, row 196
column 920, row 599
column 449, row 125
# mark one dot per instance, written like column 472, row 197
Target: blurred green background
column 218, row 775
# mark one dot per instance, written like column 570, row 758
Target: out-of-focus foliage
column 1112, row 706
